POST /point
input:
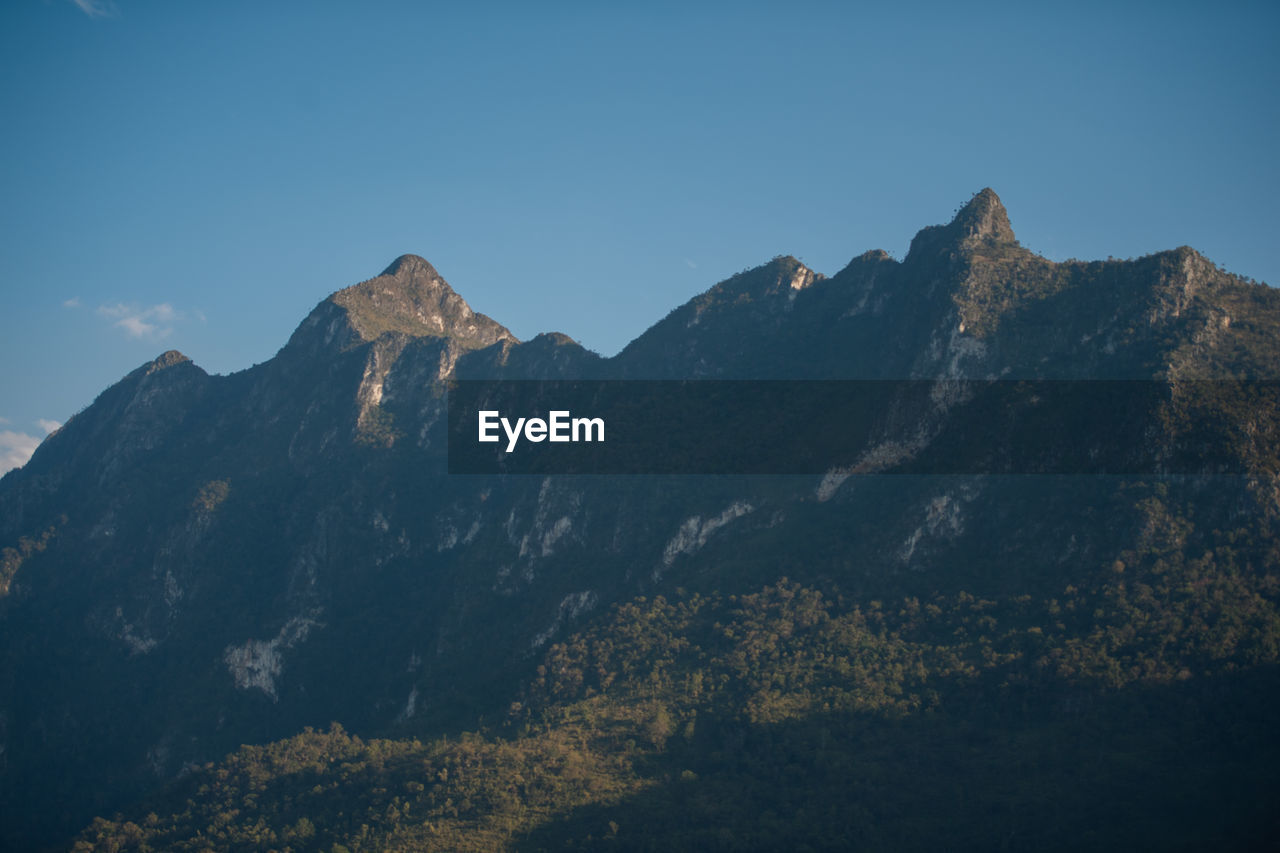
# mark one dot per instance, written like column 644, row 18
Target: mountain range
column 278, row 558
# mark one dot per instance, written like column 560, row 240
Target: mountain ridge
column 195, row 561
column 410, row 296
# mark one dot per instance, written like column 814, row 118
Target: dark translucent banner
column 815, row 427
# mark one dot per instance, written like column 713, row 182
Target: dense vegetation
column 1128, row 710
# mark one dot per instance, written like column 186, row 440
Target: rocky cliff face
column 196, row 562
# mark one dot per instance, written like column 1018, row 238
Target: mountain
column 197, row 562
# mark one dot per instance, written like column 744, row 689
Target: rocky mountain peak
column 982, row 221
column 782, row 275
column 984, row 217
column 166, row 359
column 408, row 266
column 410, row 298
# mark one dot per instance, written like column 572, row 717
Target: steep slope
column 195, row 562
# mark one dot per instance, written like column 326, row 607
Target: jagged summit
column 411, row 265
column 867, row 260
column 409, row 297
column 983, row 221
column 557, row 339
column 166, row 359
column 783, row 274
column 164, row 362
column 984, row 217
column 874, row 256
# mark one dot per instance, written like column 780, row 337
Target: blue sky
column 198, row 175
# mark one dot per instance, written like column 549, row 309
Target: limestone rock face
column 984, row 218
column 408, row 297
column 411, row 297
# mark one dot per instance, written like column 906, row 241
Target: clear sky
column 197, row 175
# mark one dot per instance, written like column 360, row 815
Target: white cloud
column 48, row 425
column 97, row 8
column 73, row 302
column 690, row 264
column 154, row 323
column 4, row 420
column 15, row 449
column 139, row 328
column 164, row 313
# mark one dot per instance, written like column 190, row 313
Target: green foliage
column 792, row 717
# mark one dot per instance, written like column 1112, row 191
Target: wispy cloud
column 48, row 425
column 97, row 8
column 154, row 323
column 690, row 264
column 15, row 449
column 73, row 302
